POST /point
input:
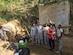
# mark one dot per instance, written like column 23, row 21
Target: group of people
column 47, row 34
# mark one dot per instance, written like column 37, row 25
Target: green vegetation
column 24, row 10
column 18, row 9
column 52, row 1
column 49, row 1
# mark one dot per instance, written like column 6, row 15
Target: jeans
column 40, row 38
column 60, row 44
column 51, row 43
column 33, row 39
column 46, row 38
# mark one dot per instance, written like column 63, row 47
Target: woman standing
column 51, row 37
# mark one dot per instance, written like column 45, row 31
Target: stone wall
column 57, row 12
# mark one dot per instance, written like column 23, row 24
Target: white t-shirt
column 45, row 29
column 59, row 31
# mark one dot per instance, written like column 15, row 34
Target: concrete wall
column 58, row 12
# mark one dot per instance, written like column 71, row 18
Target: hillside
column 41, row 50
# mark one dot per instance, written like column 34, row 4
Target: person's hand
column 54, row 37
column 54, row 32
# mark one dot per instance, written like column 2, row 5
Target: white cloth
column 45, row 29
column 16, row 53
column 21, row 41
column 59, row 31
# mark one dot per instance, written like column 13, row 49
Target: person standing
column 40, row 34
column 51, row 38
column 59, row 36
column 45, row 30
column 33, row 33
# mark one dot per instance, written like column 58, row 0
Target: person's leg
column 50, row 43
column 38, row 38
column 53, row 44
column 32, row 39
column 45, row 39
column 60, row 44
column 41, row 38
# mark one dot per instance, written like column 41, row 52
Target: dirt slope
column 40, row 50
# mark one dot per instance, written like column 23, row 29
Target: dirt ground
column 42, row 50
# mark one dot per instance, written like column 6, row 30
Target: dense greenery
column 23, row 10
column 18, row 9
column 49, row 1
